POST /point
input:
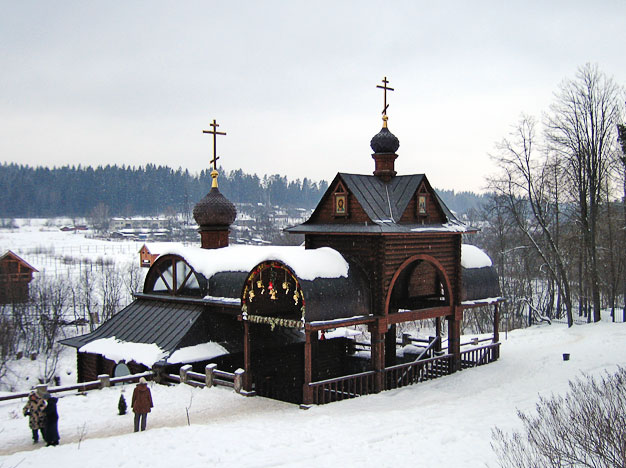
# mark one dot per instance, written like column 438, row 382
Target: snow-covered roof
column 149, row 353
column 307, row 264
column 473, row 257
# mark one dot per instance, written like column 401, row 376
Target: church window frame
column 340, row 201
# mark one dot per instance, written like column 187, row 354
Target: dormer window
column 340, row 201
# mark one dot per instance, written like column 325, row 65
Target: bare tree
column 581, row 129
column 621, row 129
column 88, row 296
column 526, row 187
column 133, row 279
column 111, row 291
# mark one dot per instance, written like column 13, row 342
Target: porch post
column 390, row 346
column 247, row 376
column 378, row 353
column 496, row 330
column 438, row 333
column 307, row 391
column 454, row 339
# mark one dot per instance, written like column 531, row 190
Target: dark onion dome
column 385, row 142
column 214, row 209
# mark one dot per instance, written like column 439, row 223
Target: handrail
column 423, row 361
column 103, row 381
column 342, row 378
column 212, row 376
column 409, row 373
column 341, row 388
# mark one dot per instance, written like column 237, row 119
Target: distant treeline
column 76, row 191
column 151, row 190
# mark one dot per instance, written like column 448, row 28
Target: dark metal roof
column 146, row 321
column 479, row 283
column 384, row 203
column 336, row 298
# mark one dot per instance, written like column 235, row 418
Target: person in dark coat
column 34, row 409
column 141, row 403
column 51, row 433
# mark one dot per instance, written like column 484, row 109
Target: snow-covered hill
column 445, row 422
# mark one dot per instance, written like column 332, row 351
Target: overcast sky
column 293, row 83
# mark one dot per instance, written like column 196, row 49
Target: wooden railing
column 402, row 375
column 342, row 388
column 479, row 356
column 103, row 381
column 212, row 376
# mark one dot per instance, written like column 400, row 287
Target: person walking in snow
column 141, row 403
column 51, row 432
column 34, row 409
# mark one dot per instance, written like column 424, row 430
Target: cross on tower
column 385, row 88
column 214, row 132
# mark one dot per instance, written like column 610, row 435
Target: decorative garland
column 255, row 287
column 273, row 321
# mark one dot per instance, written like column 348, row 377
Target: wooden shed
column 15, row 276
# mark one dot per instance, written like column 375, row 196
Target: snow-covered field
column 43, row 245
column 444, row 422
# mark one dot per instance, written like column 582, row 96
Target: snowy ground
column 444, row 422
column 42, row 244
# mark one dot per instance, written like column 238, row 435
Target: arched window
column 121, row 369
column 172, row 275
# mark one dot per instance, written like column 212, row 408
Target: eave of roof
column 146, row 321
column 381, row 227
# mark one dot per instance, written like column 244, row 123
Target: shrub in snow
column 586, row 427
column 121, row 406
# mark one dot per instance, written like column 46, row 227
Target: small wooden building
column 15, row 276
column 380, row 250
column 147, row 255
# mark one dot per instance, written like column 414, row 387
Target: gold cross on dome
column 214, row 132
column 385, row 88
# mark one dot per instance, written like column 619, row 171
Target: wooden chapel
column 380, row 250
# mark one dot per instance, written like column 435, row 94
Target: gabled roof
column 146, row 321
column 10, row 254
column 384, row 203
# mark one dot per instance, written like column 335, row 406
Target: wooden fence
column 401, row 375
column 479, row 356
column 211, row 377
column 342, row 388
column 103, row 381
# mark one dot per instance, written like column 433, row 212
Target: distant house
column 146, row 257
column 15, row 275
column 152, row 224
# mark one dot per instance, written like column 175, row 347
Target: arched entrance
column 273, row 307
column 420, row 282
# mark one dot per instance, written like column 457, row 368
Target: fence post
column 239, row 379
column 209, row 374
column 105, row 380
column 41, row 389
column 183, row 373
